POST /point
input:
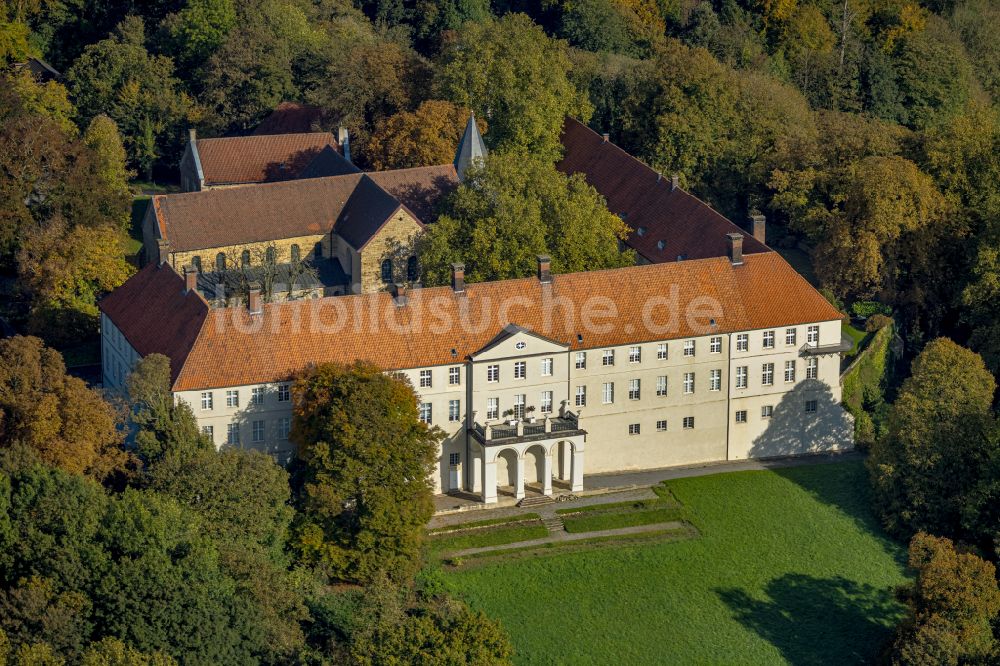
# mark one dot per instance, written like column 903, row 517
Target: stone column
column 566, row 466
column 547, row 475
column 577, row 470
column 489, row 482
column 519, row 483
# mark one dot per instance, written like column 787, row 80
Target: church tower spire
column 471, row 149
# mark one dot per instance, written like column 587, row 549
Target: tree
column 68, row 424
column 936, row 452
column 365, row 493
column 952, row 602
column 516, row 78
column 429, row 135
column 511, row 210
column 105, row 143
column 113, row 652
column 198, row 30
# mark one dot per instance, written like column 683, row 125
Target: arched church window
column 296, row 253
column 245, row 258
column 269, row 255
column 220, row 261
column 196, row 262
column 412, row 269
column 387, row 271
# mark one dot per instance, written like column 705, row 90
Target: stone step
column 554, row 524
column 535, row 500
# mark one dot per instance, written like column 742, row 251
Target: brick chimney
column 190, row 279
column 344, row 139
column 192, row 135
column 544, row 269
column 675, row 182
column 458, row 277
column 398, row 291
column 735, row 242
column 758, row 227
column 606, row 137
column 162, row 251
column 255, row 303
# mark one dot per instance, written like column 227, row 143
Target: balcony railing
column 522, row 430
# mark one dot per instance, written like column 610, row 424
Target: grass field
column 490, row 536
column 790, row 568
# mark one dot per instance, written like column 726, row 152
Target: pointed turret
column 471, row 149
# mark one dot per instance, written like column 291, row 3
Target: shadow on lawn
column 818, row 620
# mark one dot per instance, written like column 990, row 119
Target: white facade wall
column 117, row 356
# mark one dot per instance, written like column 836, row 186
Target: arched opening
column 387, row 271
column 412, row 269
column 245, row 259
column 269, row 255
column 507, row 471
column 220, row 262
column 196, row 262
column 534, row 468
column 562, row 459
column 318, row 250
column 296, row 253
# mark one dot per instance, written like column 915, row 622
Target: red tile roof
column 656, row 213
column 291, row 118
column 259, row 159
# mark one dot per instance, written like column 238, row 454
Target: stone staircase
column 535, row 500
column 554, row 524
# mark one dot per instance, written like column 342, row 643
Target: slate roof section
column 328, row 163
column 420, row 189
column 291, row 118
column 259, row 159
column 368, row 209
column 658, row 215
column 471, row 149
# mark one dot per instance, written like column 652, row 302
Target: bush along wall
column 864, row 384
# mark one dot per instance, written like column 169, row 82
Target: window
column 661, row 351
column 257, row 431
column 206, row 400
column 209, row 432
column 232, row 433
column 715, row 380
column 661, row 425
column 546, row 402
column 661, row 385
column 455, row 376
column 425, row 379
column 412, row 269
column 546, row 367
column 493, row 373
column 767, row 374
column 519, row 402
column 245, row 259
column 387, row 271
column 741, row 416
column 581, row 360
column 454, row 459
column 609, row 357
column 492, row 408
column 581, row 396
column 633, row 389
column 789, row 336
column 196, row 262
column 715, row 345
column 284, row 428
column 634, row 354
column 232, row 398
column 425, row 412
column 608, row 393
column 257, row 395
column 742, row 341
column 766, row 411
column 741, row 376
column 768, row 339
column 689, row 347
column 454, row 411
column 520, row 369
column 633, row 428
column 812, row 368
column 810, row 406
column 812, row 335
column 688, row 423
column 220, row 262
column 789, row 371
column 269, row 255
column 284, row 393
column 689, row 382
column 295, row 253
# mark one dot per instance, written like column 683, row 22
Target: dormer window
column 641, row 231
column 660, row 245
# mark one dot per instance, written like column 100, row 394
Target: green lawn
column 591, row 521
column 790, row 567
column 857, row 336
column 490, row 536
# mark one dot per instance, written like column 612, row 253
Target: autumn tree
column 429, row 135
column 511, row 210
column 110, row 168
column 365, row 492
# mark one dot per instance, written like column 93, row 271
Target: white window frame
column 284, row 428
column 284, row 392
column 426, row 379
column 454, row 459
column 635, row 355
column 789, row 371
column 742, row 342
column 689, row 347
column 715, row 380
column 715, row 345
column 768, row 340
column 257, row 395
column 767, row 374
column 812, row 406
column 688, row 383
column 741, row 416
column 425, row 412
column 233, row 434
column 581, row 360
column 634, row 429
column 492, row 408
column 493, row 373
column 812, row 368
column 207, row 401
column 661, row 351
column 812, row 335
column 608, row 357
column 520, row 370
column 688, row 423
column 546, row 368
column 661, row 425
column 634, row 389
column 581, row 396
column 233, row 398
column 661, row 386
column 209, row 431
column 741, row 376
column 454, row 411
column 766, row 411
column 545, row 402
column 258, row 431
column 608, row 393
column 520, row 402
column 791, row 334
column 455, row 375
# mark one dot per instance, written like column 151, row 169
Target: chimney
column 675, row 182
column 254, row 303
column 735, row 242
column 162, row 251
column 399, row 294
column 344, row 138
column 544, row 273
column 192, row 135
column 606, row 137
column 758, row 227
column 458, row 278
column 190, row 279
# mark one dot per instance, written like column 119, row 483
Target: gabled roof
column 291, row 118
column 471, row 149
column 420, row 189
column 328, row 163
column 365, row 213
column 509, row 331
column 666, row 223
column 259, row 159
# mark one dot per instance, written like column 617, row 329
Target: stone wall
column 395, row 240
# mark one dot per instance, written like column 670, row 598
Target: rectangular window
column 689, row 382
column 608, row 357
column 284, row 428
column 492, row 408
column 767, row 374
column 688, row 423
column 581, row 396
column 454, row 376
column 546, row 402
column 812, row 335
column 810, row 406
column 790, row 336
column 661, row 351
column 206, row 400
column 453, row 459
column 661, row 425
column 661, row 385
column 741, row 416
column 454, row 411
column 520, row 369
column 766, row 411
column 257, row 395
column 546, row 367
column 425, row 379
column 715, row 380
column 232, row 434
column 741, row 376
column 209, row 432
column 608, row 393
column 257, row 431
column 634, row 354
column 689, row 347
column 768, row 339
column 519, row 403
column 633, row 428
column 581, row 360
column 715, row 345
column 812, row 368
column 789, row 371
column 232, row 398
column 425, row 412
column 742, row 341
column 284, row 393
column 493, row 373
column 633, row 389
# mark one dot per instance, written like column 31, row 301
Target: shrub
column 877, row 322
column 865, row 309
column 832, row 297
